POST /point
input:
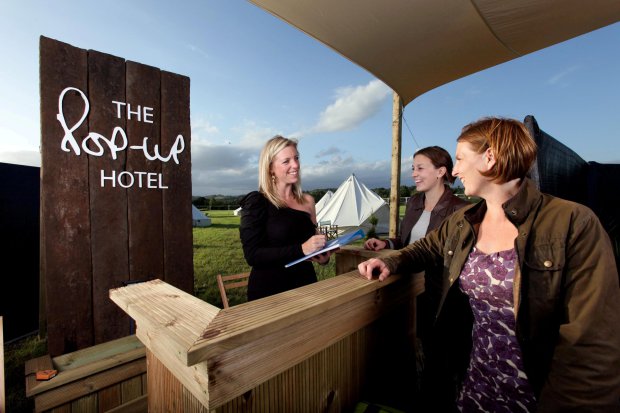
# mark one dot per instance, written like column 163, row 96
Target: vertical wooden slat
column 131, row 389
column 108, row 203
column 65, row 221
column 163, row 388
column 177, row 198
column 144, row 204
column 86, row 404
column 109, row 398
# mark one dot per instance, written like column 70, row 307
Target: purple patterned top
column 495, row 380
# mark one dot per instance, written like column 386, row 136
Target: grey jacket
column 566, row 295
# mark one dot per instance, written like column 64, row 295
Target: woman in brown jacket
column 538, row 275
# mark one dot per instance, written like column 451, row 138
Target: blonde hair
column 511, row 143
column 266, row 182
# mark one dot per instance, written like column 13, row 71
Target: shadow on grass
column 228, row 226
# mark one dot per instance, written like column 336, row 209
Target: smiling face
column 285, row 165
column 468, row 166
column 425, row 175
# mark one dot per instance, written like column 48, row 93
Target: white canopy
column 352, row 205
column 199, row 219
column 414, row 46
column 323, row 201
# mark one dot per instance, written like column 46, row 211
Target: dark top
column 271, row 238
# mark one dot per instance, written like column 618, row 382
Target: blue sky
column 253, row 76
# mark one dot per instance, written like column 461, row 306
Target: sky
column 254, row 76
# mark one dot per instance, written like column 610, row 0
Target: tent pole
column 397, row 128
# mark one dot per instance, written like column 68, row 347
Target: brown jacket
column 567, row 298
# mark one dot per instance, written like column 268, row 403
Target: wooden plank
column 85, row 371
column 108, row 200
column 144, row 384
column 65, row 408
column 144, row 204
column 239, row 325
column 169, row 321
column 111, row 353
column 131, row 389
column 74, row 390
column 30, row 369
column 137, row 405
column 327, row 381
column 85, row 404
column 109, row 398
column 65, row 218
column 265, row 357
column 159, row 377
column 83, row 363
column 261, row 338
column 177, row 198
column 163, row 310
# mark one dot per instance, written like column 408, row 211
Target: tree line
column 232, row 201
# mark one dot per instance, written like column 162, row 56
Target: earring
column 273, row 179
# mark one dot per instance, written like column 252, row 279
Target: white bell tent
column 352, row 205
column 323, row 201
column 199, row 219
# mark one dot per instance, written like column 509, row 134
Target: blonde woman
column 278, row 224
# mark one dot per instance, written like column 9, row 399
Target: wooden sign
column 115, row 188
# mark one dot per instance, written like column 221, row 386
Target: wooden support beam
column 397, row 114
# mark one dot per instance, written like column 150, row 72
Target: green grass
column 15, row 355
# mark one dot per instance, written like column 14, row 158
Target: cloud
column 29, row 158
column 197, row 49
column 332, row 150
column 557, row 78
column 353, row 105
column 203, row 131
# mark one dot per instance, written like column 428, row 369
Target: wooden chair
column 227, row 282
column 329, row 230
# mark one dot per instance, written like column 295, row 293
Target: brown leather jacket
column 567, row 298
column 447, row 204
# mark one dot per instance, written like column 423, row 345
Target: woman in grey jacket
column 538, row 275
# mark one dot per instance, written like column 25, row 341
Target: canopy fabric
column 414, row 46
column 352, row 205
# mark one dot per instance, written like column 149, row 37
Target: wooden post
column 115, row 188
column 397, row 128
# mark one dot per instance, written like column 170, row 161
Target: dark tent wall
column 19, row 249
column 561, row 172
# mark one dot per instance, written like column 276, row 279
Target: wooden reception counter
column 321, row 347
